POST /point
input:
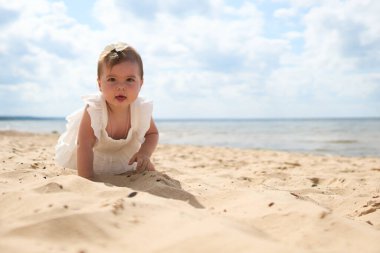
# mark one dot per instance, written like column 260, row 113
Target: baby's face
column 120, row 84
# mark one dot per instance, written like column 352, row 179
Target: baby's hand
column 143, row 162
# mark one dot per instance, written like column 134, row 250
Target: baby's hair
column 117, row 53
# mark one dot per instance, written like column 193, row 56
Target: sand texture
column 200, row 199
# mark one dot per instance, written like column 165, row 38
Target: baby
column 114, row 133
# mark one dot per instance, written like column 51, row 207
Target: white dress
column 110, row 156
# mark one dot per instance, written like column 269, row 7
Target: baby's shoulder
column 142, row 105
column 143, row 100
column 93, row 100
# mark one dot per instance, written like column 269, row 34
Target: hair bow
column 117, row 47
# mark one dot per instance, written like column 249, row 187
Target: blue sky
column 202, row 59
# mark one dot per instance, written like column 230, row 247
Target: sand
column 200, row 199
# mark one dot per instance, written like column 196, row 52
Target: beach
column 200, row 199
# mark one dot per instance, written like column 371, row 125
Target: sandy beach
column 200, row 199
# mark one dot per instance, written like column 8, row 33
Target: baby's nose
column 120, row 87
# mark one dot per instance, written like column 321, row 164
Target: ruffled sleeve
column 142, row 110
column 97, row 111
column 65, row 150
column 65, row 154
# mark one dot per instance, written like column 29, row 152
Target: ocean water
column 347, row 137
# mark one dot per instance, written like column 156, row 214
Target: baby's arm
column 142, row 157
column 86, row 141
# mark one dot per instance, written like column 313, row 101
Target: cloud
column 285, row 13
column 45, row 58
column 148, row 10
column 7, row 16
column 202, row 59
column 347, row 31
column 200, row 52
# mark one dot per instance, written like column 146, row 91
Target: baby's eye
column 111, row 79
column 130, row 80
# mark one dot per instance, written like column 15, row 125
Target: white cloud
column 48, row 56
column 285, row 13
column 292, row 35
column 207, row 55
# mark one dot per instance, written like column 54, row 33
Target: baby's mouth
column 120, row 98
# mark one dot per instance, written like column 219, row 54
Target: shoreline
column 198, row 198
column 295, row 152
column 348, row 137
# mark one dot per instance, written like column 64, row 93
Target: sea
column 358, row 137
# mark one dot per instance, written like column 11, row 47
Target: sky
column 202, row 59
